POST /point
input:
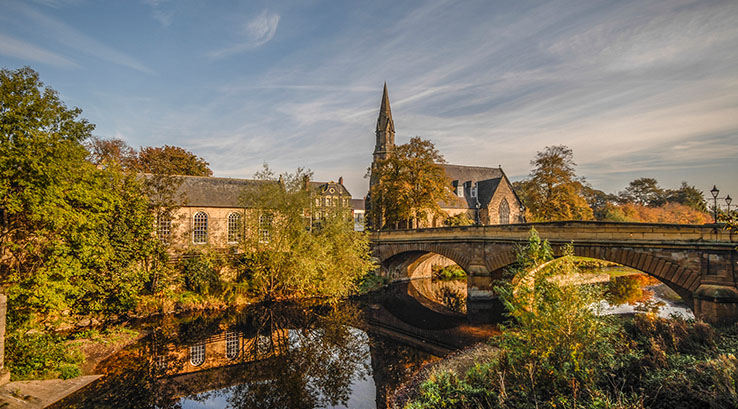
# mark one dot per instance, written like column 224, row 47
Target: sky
column 642, row 88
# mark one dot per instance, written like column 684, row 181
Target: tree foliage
column 410, row 185
column 171, row 160
column 285, row 254
column 73, row 237
column 552, row 191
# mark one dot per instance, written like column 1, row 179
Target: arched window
column 232, row 345
column 504, row 211
column 265, row 227
column 200, row 228
column 197, row 354
column 164, row 228
column 234, row 227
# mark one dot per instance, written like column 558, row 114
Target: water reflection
column 265, row 357
column 640, row 292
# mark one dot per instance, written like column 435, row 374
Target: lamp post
column 728, row 199
column 715, row 191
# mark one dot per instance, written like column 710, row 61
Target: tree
column 72, row 236
column 282, row 257
column 552, row 191
column 689, row 196
column 105, row 151
column 171, row 160
column 643, row 191
column 410, row 184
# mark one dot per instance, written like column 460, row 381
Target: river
column 297, row 356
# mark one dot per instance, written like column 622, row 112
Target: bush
column 201, row 274
column 40, row 355
column 451, row 272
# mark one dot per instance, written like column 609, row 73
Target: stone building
column 484, row 194
column 210, row 210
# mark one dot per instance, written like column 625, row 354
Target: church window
column 232, row 345
column 317, row 201
column 234, row 227
column 265, row 227
column 200, row 228
column 474, row 190
column 164, row 228
column 504, row 211
column 197, row 354
column 459, row 189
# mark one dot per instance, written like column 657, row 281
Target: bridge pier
column 716, row 304
column 483, row 305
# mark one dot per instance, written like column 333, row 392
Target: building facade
column 210, row 210
column 484, row 194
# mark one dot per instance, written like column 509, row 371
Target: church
column 485, row 195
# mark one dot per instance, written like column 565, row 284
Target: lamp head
column 728, row 199
column 714, row 191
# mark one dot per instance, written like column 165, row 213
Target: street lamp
column 715, row 191
column 728, row 199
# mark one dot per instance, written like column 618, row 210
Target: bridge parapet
column 573, row 231
column 697, row 261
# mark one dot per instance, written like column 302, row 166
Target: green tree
column 72, row 236
column 552, row 191
column 643, row 191
column 283, row 257
column 410, row 185
column 688, row 195
column 171, row 160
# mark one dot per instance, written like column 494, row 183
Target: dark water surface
column 277, row 356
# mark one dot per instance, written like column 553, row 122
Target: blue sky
column 636, row 88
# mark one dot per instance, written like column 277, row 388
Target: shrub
column 40, row 355
column 201, row 274
column 451, row 272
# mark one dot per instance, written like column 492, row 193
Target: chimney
column 340, row 180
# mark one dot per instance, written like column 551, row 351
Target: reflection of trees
column 630, row 290
column 317, row 369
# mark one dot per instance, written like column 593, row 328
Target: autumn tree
column 171, row 160
column 410, row 185
column 552, row 191
column 114, row 150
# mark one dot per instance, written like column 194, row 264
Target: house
column 484, row 194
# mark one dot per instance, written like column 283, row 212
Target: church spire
column 385, row 128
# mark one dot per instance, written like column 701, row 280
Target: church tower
column 385, row 129
column 383, row 147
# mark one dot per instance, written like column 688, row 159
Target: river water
column 297, row 356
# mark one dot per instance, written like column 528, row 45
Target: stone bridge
column 696, row 261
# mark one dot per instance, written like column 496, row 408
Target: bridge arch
column 400, row 261
column 680, row 279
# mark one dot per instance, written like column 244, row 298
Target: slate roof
column 323, row 187
column 208, row 191
column 357, row 204
column 487, row 178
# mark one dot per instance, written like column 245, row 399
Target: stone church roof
column 488, row 180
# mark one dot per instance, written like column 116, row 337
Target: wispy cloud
column 164, row 17
column 256, row 32
column 12, row 47
column 72, row 38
